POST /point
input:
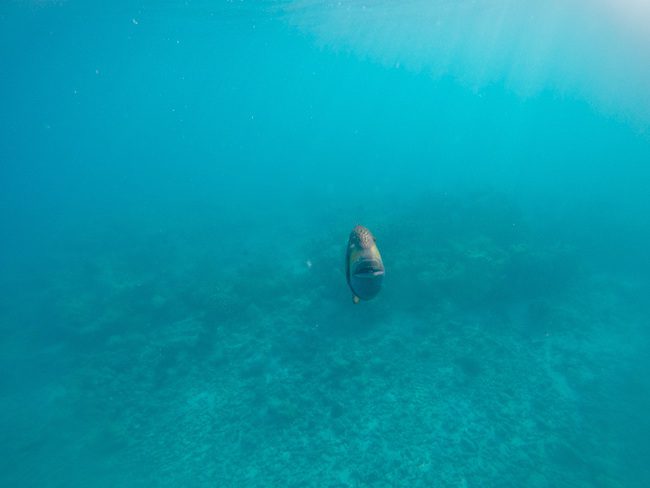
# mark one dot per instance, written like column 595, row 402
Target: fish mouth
column 367, row 277
column 368, row 268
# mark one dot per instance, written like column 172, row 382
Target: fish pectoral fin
column 355, row 299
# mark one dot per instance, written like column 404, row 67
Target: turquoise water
column 177, row 185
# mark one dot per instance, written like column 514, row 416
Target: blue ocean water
column 178, row 180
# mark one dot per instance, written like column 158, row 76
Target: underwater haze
column 178, row 181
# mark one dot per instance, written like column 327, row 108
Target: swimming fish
column 364, row 269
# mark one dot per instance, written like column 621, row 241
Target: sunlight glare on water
column 592, row 50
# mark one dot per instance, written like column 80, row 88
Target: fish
column 364, row 268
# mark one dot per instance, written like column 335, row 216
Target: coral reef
column 489, row 359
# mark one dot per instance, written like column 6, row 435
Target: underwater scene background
column 177, row 185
